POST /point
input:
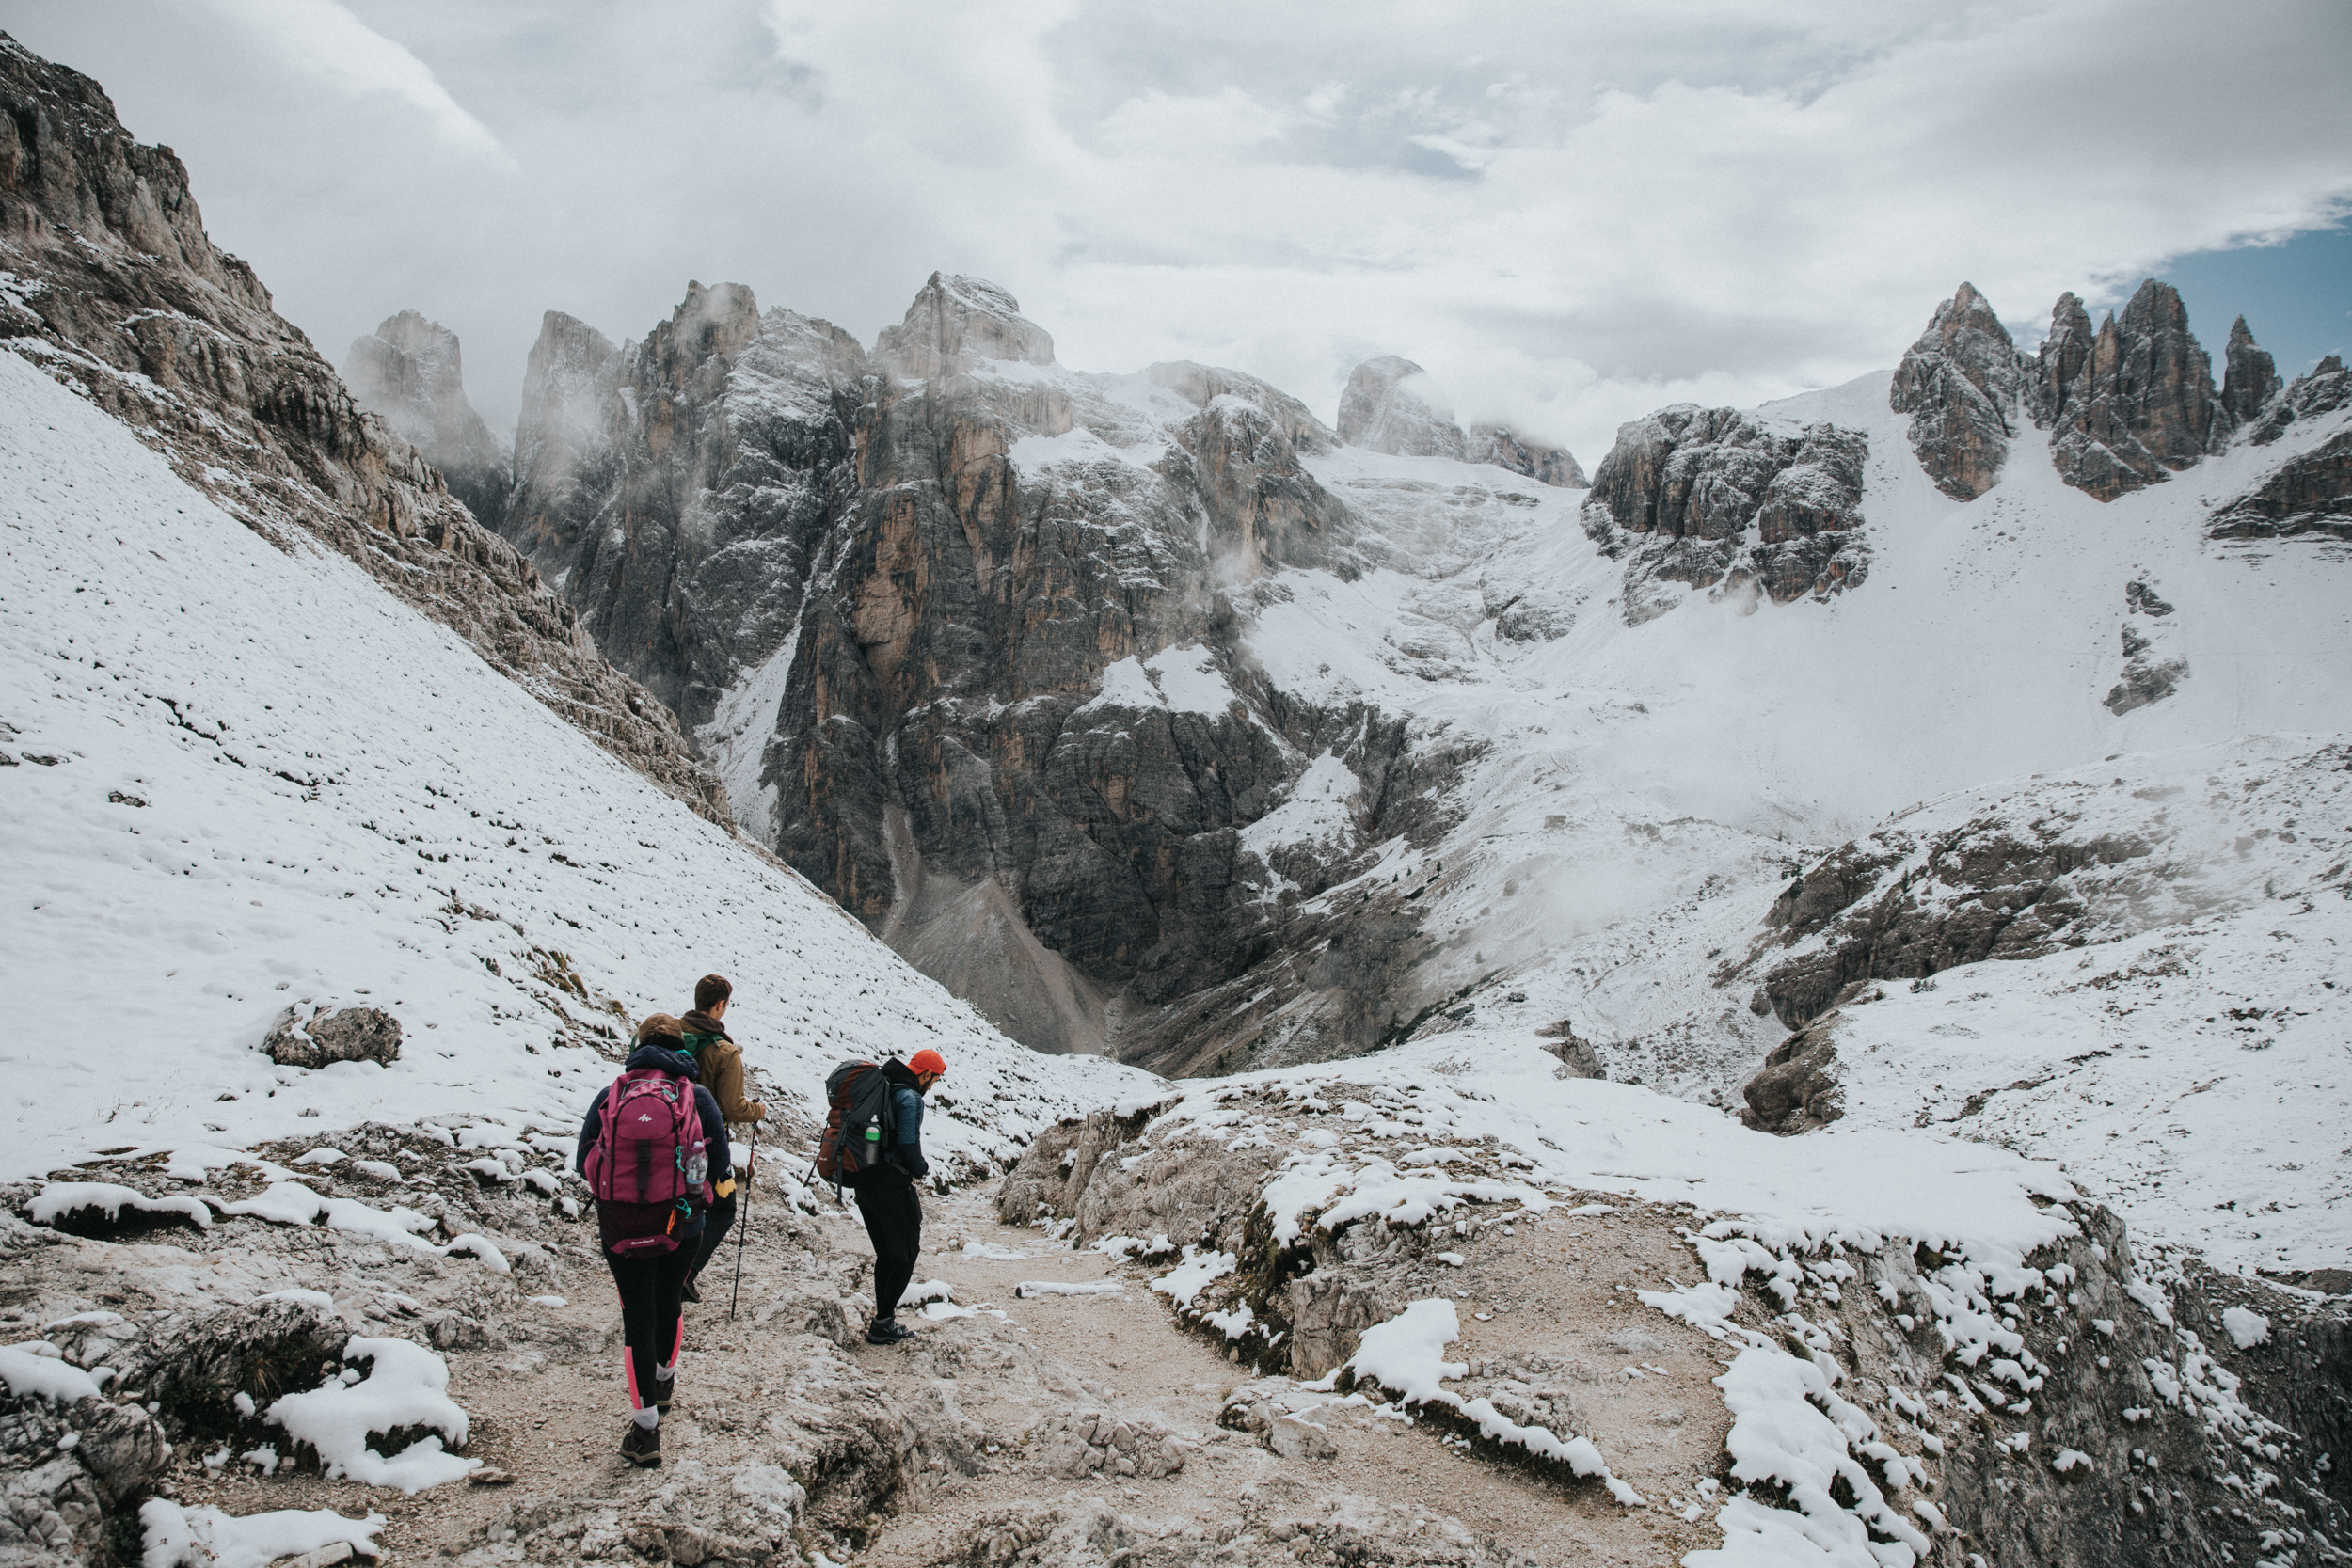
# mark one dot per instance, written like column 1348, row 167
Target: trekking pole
column 743, row 1231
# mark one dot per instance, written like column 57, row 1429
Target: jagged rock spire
column 2251, row 379
column 409, row 372
column 2131, row 404
column 1961, row 384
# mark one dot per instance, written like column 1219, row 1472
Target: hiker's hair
column 710, row 990
column 659, row 1026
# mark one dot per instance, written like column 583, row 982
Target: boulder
column 193, row 1365
column 1796, row 1090
column 1962, row 384
column 343, row 1034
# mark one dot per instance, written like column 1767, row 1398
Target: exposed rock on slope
column 2132, row 404
column 1392, row 405
column 2327, row 389
column 2308, row 494
column 1961, row 384
column 118, row 290
column 2058, row 863
column 408, row 371
column 1679, row 492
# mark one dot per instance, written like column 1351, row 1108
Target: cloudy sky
column 1569, row 213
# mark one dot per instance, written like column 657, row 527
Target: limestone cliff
column 1392, row 405
column 1961, row 384
column 409, row 372
column 2130, row 405
column 118, row 290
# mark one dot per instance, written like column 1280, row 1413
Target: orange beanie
column 928, row 1061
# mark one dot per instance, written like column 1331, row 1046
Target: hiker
column 653, row 1186
column 886, row 1198
column 721, row 1062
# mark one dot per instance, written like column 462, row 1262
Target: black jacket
column 678, row 1065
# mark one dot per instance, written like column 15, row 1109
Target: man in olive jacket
column 721, row 1063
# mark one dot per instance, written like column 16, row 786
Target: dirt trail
column 978, row 1449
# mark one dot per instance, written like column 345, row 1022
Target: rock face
column 1796, row 1090
column 957, row 625
column 2132, row 404
column 1391, row 405
column 2308, row 494
column 408, row 371
column 2327, row 389
column 1961, row 383
column 128, row 298
column 1717, row 499
column 2251, row 379
column 345, row 1035
column 2149, row 675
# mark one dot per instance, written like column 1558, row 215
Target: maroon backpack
column 858, row 1122
column 649, row 1167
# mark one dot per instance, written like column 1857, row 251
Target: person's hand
column 759, row 1110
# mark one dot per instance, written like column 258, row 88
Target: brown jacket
column 721, row 1064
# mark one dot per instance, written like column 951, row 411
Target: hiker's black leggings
column 716, row 1221
column 893, row 1212
column 651, row 1325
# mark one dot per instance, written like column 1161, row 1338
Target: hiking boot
column 688, row 1292
column 642, row 1445
column 887, row 1330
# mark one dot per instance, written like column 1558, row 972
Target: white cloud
column 325, row 39
column 1568, row 214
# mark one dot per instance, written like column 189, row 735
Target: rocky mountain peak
column 2132, row 405
column 1392, row 405
column 957, row 321
column 409, row 372
column 1202, row 384
column 1961, row 384
column 2251, row 379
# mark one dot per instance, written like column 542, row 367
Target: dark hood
column 703, row 1023
column 662, row 1054
column 903, row 1075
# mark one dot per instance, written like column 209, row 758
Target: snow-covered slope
column 245, row 777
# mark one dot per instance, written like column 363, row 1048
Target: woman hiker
column 886, row 1198
column 652, row 1169
column 721, row 1064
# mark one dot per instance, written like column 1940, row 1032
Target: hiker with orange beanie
column 886, row 1196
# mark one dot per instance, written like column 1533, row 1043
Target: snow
column 1406, row 1355
column 59, row 1198
column 1187, row 1280
column 735, row 739
column 1316, row 811
column 1034, row 456
column 27, row 1374
column 1789, row 1429
column 205, row 1537
column 1179, row 680
column 2246, row 1328
column 343, row 804
column 1069, row 1288
column 407, row 1386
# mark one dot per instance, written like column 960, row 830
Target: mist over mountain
column 1772, row 993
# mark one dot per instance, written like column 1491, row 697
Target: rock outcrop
column 2149, row 674
column 2251, row 377
column 1392, row 405
column 2310, row 494
column 408, row 371
column 122, row 293
column 1962, row 384
column 2130, row 405
column 1735, row 502
column 2327, row 389
column 343, row 1034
